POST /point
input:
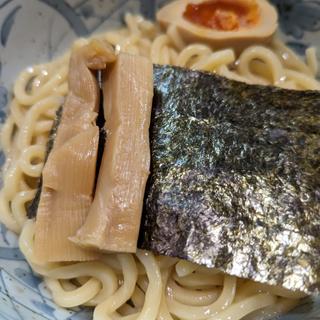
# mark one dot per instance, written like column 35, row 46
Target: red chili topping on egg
column 223, row 15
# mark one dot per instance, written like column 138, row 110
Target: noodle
column 140, row 286
column 270, row 60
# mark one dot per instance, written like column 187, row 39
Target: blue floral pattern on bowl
column 298, row 17
column 299, row 23
column 23, row 294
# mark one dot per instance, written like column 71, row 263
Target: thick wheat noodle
column 141, row 286
column 268, row 57
column 196, row 280
column 164, row 312
column 311, row 59
column 27, row 155
column 175, row 37
column 156, row 48
column 183, row 268
column 245, row 307
column 193, row 297
column 289, row 59
column 105, row 310
column 43, row 91
column 18, row 205
column 302, row 80
column 69, row 299
column 190, row 312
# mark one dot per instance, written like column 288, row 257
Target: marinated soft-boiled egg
column 221, row 22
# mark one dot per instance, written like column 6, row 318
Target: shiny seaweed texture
column 235, row 177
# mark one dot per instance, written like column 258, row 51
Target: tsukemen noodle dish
column 170, row 169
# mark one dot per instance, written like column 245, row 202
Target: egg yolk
column 224, row 15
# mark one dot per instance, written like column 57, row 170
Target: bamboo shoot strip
column 114, row 219
column 69, row 172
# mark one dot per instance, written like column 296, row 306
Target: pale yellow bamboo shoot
column 114, row 218
column 69, row 173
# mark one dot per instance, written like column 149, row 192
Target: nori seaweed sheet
column 33, row 206
column 100, row 121
column 235, row 178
